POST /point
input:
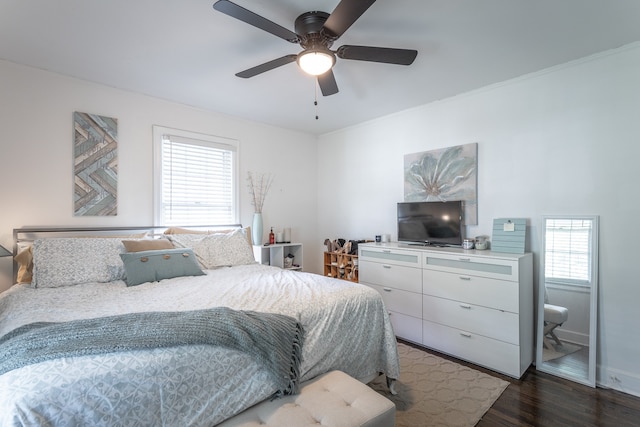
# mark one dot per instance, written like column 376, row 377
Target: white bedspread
column 346, row 328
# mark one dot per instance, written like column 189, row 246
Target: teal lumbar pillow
column 155, row 265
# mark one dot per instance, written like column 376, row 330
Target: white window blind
column 567, row 252
column 197, row 181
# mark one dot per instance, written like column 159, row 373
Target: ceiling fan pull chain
column 315, row 101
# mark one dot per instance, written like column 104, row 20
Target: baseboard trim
column 619, row 380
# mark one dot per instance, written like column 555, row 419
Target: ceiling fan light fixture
column 316, row 61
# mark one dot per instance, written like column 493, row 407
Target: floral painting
column 442, row 175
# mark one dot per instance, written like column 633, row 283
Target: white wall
column 36, row 172
column 562, row 141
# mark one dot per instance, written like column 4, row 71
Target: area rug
column 558, row 350
column 433, row 391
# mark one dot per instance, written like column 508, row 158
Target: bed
column 80, row 281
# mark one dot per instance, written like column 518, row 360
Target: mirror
column 568, row 298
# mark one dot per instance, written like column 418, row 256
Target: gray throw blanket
column 274, row 340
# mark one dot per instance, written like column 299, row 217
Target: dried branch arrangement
column 258, row 185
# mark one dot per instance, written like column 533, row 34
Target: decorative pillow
column 24, row 258
column 180, row 230
column 146, row 245
column 71, row 261
column 217, row 250
column 151, row 266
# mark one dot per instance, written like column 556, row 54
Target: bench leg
column 555, row 337
column 548, row 332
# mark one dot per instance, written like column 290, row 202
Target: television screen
column 432, row 223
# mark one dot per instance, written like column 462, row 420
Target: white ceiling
column 184, row 51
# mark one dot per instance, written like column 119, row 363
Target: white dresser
column 474, row 305
column 397, row 275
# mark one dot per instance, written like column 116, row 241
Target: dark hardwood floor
column 540, row 399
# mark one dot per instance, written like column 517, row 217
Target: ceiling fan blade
column 244, row 15
column 267, row 66
column 377, row 54
column 344, row 15
column 327, row 83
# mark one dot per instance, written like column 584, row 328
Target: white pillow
column 72, row 261
column 217, row 250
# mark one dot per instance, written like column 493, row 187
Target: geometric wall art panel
column 95, row 155
column 443, row 175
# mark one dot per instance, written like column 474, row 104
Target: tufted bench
column 554, row 316
column 333, row 399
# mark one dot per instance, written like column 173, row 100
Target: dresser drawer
column 399, row 301
column 391, row 275
column 502, row 269
column 499, row 294
column 493, row 354
column 496, row 324
column 389, row 256
column 406, row 327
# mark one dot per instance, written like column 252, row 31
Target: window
column 568, row 252
column 195, row 178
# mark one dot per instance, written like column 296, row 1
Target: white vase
column 256, row 229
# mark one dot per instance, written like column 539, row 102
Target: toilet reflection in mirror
column 567, row 300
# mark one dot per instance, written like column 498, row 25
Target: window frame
column 233, row 145
column 549, row 251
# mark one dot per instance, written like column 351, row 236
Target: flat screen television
column 431, row 223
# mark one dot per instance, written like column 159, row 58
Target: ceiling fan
column 315, row 32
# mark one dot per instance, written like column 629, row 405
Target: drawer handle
column 465, row 334
column 465, row 278
column 467, row 306
column 386, row 251
column 465, row 259
column 386, row 289
column 386, row 266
